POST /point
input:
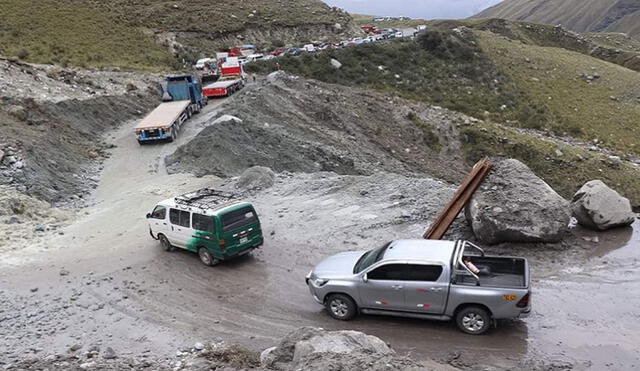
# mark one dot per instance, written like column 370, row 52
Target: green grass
column 441, row 68
column 566, row 171
column 69, row 33
column 606, row 109
column 219, row 17
column 430, row 137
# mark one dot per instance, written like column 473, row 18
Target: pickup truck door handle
column 396, row 287
column 435, row 289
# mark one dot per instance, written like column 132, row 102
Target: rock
column 131, row 86
column 75, row 347
column 226, row 118
column 596, row 206
column 337, row 27
column 335, row 64
column 198, row 346
column 314, row 349
column 267, row 357
column 109, row 353
column 1, row 155
column 18, row 112
column 514, row 205
column 257, row 177
column 64, row 272
column 87, row 365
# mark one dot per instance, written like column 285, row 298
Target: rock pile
column 514, row 205
column 596, row 206
column 257, row 177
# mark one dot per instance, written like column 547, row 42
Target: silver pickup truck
column 424, row 279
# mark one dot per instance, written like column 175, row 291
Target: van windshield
column 238, row 219
column 369, row 258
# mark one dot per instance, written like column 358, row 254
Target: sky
column 427, row 9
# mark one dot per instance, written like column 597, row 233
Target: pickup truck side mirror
column 148, row 215
column 365, row 278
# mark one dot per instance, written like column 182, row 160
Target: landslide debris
column 514, row 205
column 306, row 348
column 298, row 125
column 53, row 122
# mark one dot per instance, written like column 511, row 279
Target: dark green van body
column 227, row 232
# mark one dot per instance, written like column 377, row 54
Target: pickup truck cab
column 211, row 223
column 424, row 279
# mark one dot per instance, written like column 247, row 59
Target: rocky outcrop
column 316, row 349
column 596, row 206
column 514, row 205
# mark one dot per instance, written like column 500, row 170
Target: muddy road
column 103, row 281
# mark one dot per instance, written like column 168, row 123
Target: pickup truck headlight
column 319, row 282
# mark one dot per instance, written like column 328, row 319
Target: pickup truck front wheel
column 473, row 320
column 341, row 307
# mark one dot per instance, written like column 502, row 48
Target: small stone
column 109, row 353
column 75, row 347
column 199, row 346
column 34, row 289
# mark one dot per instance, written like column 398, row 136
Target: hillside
column 540, row 101
column 155, row 33
column 577, row 15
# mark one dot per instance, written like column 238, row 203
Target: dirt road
column 105, row 282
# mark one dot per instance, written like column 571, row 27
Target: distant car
column 202, row 63
column 293, row 51
column 424, row 279
column 213, row 224
column 277, row 52
column 253, row 58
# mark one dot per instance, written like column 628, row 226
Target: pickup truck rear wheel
column 341, row 307
column 473, row 320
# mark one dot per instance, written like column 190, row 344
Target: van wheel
column 341, row 307
column 473, row 320
column 207, row 258
column 164, row 242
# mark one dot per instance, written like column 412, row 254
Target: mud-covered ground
column 102, row 282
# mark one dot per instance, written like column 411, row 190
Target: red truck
column 231, row 80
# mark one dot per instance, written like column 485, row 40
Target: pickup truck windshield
column 369, row 258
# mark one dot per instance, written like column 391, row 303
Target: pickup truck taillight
column 222, row 244
column 524, row 302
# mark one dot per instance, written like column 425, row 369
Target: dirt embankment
column 292, row 124
column 53, row 121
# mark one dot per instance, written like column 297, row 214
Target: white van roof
column 205, row 201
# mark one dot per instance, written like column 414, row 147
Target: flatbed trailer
column 223, row 88
column 183, row 97
column 164, row 122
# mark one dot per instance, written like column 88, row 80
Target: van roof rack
column 205, row 198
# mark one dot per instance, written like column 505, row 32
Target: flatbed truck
column 183, row 98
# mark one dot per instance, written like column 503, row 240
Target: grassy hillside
column 527, row 94
column 219, row 16
column 121, row 32
column 64, row 32
column 577, row 15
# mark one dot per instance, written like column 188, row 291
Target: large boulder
column 599, row 207
column 514, row 205
column 315, row 349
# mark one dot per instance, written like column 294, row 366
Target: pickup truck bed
column 497, row 272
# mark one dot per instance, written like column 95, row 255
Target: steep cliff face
column 577, row 15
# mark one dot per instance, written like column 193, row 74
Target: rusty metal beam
column 462, row 196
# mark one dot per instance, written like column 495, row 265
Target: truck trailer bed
column 163, row 116
column 221, row 84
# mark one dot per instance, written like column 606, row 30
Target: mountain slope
column 577, row 15
column 155, row 33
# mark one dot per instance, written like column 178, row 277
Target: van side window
column 160, row 212
column 424, row 273
column 180, row 218
column 389, row 272
column 203, row 223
